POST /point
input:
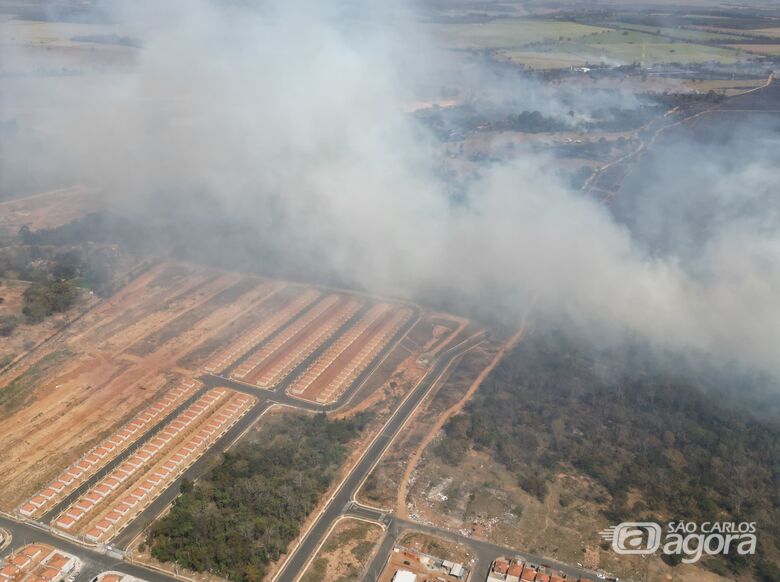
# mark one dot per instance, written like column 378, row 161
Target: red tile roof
column 500, row 566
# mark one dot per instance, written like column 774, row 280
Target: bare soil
column 441, row 420
column 45, row 209
column 82, row 384
column 346, row 553
column 382, row 485
column 481, row 499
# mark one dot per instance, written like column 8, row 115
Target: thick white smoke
column 291, row 115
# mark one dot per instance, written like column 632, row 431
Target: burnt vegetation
column 689, row 449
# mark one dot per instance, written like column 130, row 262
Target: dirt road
column 403, row 489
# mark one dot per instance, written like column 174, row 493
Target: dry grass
column 346, row 552
column 508, row 32
column 481, row 498
column 759, row 49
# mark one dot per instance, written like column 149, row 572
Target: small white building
column 404, row 576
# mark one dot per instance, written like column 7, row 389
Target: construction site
column 125, row 492
column 145, row 383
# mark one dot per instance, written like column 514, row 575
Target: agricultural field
column 542, row 44
column 723, row 28
column 508, row 33
column 43, row 46
column 624, row 47
column 760, row 49
column 44, row 210
column 685, row 34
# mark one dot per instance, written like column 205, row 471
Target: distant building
column 404, row 576
column 458, row 571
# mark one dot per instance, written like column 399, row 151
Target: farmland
column 544, row 43
column 621, row 47
column 44, row 209
column 507, row 33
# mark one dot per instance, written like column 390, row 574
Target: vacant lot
column 21, row 335
column 346, row 552
column 44, row 210
column 382, row 485
column 482, row 497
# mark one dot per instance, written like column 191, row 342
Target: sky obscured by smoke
column 289, row 117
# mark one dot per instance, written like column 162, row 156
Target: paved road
column 279, row 393
column 119, row 459
column 484, row 552
column 297, row 561
column 341, row 502
column 266, row 398
column 198, row 468
column 93, row 561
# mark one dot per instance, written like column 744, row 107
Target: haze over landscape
column 584, row 195
column 303, row 140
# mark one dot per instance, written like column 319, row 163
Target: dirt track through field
column 403, row 486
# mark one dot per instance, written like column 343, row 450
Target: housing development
column 417, row 291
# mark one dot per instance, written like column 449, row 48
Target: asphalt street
column 93, row 561
column 296, row 562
